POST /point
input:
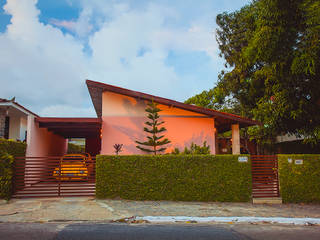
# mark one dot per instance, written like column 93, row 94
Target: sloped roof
column 6, row 102
column 223, row 120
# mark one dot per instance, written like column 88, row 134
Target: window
column 6, row 127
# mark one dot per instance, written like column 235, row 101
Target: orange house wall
column 41, row 142
column 123, row 121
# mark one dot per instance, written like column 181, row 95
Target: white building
column 13, row 120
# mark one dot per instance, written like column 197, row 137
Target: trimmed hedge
column 300, row 183
column 6, row 175
column 173, row 177
column 16, row 149
column 8, row 150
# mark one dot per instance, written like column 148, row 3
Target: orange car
column 73, row 167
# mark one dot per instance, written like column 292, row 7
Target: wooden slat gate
column 265, row 181
column 50, row 177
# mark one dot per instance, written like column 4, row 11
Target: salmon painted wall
column 41, row 142
column 123, row 121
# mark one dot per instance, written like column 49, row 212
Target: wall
column 41, row 142
column 23, row 128
column 93, row 145
column 123, row 121
column 14, row 128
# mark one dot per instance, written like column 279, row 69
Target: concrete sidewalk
column 90, row 209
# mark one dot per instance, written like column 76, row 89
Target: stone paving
column 89, row 209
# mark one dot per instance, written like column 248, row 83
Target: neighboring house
column 120, row 119
column 13, row 120
column 292, row 144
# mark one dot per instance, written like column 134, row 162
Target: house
column 13, row 120
column 120, row 120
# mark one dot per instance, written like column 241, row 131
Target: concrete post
column 235, row 139
column 213, row 147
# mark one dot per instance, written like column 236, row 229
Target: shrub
column 8, row 150
column 173, row 177
column 73, row 148
column 6, row 175
column 16, row 149
column 194, row 149
column 300, row 183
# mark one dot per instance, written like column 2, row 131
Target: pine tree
column 154, row 141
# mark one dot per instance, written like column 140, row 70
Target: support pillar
column 235, row 138
column 213, row 147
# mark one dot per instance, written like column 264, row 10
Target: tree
column 154, row 141
column 272, row 54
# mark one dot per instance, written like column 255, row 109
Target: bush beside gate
column 299, row 182
column 174, row 177
column 8, row 150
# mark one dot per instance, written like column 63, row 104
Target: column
column 235, row 138
column 213, row 147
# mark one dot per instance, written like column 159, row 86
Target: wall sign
column 289, row 160
column 298, row 162
column 242, row 159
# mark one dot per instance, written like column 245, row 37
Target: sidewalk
column 89, row 209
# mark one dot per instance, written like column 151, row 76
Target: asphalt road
column 113, row 231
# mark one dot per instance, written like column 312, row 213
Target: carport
column 88, row 128
column 47, row 142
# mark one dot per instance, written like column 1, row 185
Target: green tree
column 272, row 54
column 154, row 141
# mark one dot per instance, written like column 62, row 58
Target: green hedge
column 6, row 175
column 173, row 177
column 300, row 183
column 17, row 149
column 8, row 150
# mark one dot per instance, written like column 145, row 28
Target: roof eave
column 209, row 112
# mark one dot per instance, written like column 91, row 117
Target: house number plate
column 242, row 159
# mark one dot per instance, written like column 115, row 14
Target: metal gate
column 265, row 181
column 53, row 177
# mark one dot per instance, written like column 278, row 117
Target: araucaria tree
column 155, row 143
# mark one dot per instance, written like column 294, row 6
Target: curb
column 174, row 219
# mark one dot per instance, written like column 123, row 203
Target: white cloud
column 39, row 64
column 46, row 68
column 195, row 38
column 66, row 111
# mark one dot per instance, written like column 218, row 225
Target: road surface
column 117, row 231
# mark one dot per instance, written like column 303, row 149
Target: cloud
column 70, row 25
column 46, row 68
column 66, row 111
column 39, row 64
column 81, row 27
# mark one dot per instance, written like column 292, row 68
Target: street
column 117, row 231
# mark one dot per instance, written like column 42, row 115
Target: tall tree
column 154, row 140
column 272, row 54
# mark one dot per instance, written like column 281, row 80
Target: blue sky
column 166, row 48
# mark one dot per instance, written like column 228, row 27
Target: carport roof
column 71, row 127
column 223, row 120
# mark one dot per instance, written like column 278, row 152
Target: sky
column 49, row 48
